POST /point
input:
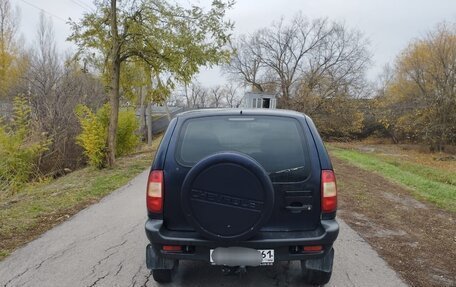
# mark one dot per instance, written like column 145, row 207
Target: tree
column 246, row 64
column 301, row 58
column 232, row 98
column 217, row 95
column 53, row 86
column 170, row 39
column 12, row 60
column 195, row 95
column 419, row 101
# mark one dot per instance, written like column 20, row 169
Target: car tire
column 318, row 271
column 165, row 275
column 162, row 275
column 315, row 277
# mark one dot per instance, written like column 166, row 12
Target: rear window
column 277, row 143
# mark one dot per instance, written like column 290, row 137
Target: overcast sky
column 388, row 24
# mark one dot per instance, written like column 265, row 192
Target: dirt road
column 104, row 245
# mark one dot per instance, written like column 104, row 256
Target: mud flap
column 154, row 261
column 324, row 264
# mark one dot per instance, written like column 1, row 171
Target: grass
column 426, row 183
column 39, row 206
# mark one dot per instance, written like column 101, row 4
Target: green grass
column 37, row 207
column 426, row 183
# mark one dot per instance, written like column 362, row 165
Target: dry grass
column 427, row 177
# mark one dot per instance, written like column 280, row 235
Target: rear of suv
column 242, row 188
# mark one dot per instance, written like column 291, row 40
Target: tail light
column 172, row 248
column 312, row 248
column 328, row 191
column 155, row 191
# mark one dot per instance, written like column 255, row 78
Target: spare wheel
column 227, row 196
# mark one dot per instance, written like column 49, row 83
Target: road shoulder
column 415, row 238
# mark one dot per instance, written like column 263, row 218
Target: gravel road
column 104, row 245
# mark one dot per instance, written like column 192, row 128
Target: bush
column 93, row 137
column 20, row 148
column 127, row 139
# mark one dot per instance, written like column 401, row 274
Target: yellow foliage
column 12, row 61
column 93, row 138
column 419, row 103
column 93, row 135
column 20, row 148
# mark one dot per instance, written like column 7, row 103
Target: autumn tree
column 419, row 101
column 170, row 39
column 12, row 59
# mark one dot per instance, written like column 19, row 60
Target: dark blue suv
column 241, row 188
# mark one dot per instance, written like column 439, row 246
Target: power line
column 44, row 11
column 82, row 5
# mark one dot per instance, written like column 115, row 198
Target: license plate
column 267, row 254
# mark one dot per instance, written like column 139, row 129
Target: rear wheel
column 165, row 275
column 315, row 277
column 162, row 269
column 162, row 275
column 318, row 271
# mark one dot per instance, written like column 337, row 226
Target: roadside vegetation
column 41, row 205
column 433, row 184
column 413, row 236
column 80, row 108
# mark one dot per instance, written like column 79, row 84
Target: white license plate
column 267, row 254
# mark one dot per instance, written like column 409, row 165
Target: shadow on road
column 203, row 274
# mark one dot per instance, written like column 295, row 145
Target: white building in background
column 253, row 100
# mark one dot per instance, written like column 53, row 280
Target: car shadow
column 192, row 273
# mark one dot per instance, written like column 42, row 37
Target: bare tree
column 300, row 57
column 246, row 65
column 54, row 87
column 217, row 94
column 337, row 68
column 203, row 97
column 45, row 68
column 195, row 95
column 231, row 96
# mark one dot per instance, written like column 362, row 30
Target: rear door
column 282, row 145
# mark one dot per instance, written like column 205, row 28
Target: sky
column 388, row 24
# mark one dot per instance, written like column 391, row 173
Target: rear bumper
column 281, row 242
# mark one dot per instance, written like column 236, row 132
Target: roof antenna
column 241, row 112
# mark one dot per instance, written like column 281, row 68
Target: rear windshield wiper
column 287, row 170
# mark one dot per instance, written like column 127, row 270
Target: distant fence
column 160, row 120
column 160, row 124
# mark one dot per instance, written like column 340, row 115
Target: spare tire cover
column 227, row 196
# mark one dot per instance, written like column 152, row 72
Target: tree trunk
column 114, row 116
column 149, row 123
column 114, row 86
column 142, row 114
